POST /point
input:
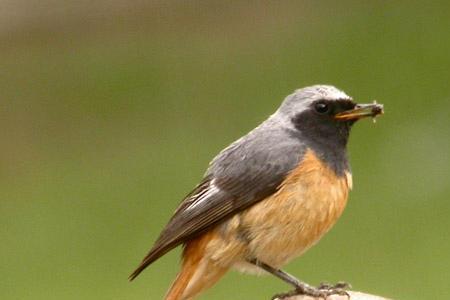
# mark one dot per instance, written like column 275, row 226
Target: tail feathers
column 197, row 273
column 194, row 279
column 178, row 287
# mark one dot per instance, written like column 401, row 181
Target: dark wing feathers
column 231, row 184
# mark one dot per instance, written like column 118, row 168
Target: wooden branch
column 353, row 296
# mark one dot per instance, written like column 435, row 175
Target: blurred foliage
column 110, row 113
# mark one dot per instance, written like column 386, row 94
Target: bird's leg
column 301, row 288
column 286, row 277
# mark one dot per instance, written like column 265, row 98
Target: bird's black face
column 325, row 125
column 318, row 122
column 321, row 117
column 332, row 119
column 328, row 109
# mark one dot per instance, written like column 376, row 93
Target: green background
column 111, row 110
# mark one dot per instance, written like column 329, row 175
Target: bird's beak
column 360, row 111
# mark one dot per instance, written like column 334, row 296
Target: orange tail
column 197, row 272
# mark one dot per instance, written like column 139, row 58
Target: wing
column 243, row 174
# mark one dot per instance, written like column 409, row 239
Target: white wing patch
column 349, row 178
column 203, row 195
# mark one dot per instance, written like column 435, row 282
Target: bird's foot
column 322, row 291
column 340, row 285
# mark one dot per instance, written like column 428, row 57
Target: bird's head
column 325, row 114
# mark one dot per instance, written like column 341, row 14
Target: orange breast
column 306, row 206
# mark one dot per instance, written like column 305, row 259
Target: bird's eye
column 322, row 107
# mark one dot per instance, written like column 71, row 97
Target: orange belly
column 285, row 225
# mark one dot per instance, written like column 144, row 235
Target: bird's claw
column 322, row 291
column 339, row 285
column 282, row 296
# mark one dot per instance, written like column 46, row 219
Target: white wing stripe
column 203, row 195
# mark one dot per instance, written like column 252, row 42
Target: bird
column 267, row 197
